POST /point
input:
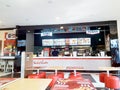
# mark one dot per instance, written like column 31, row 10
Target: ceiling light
column 61, row 27
column 99, row 28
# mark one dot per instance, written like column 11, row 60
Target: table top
column 73, row 84
column 94, row 57
column 27, row 84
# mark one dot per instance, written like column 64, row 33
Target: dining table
column 27, row 84
column 73, row 84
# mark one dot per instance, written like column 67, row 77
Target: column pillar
column 30, row 41
column 118, row 30
column 118, row 35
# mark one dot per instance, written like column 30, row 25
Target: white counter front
column 87, row 63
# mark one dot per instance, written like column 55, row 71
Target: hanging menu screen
column 67, row 41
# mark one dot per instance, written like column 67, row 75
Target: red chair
column 40, row 75
column 113, row 82
column 75, row 77
column 78, row 75
column 102, row 77
column 44, row 74
column 106, row 81
column 60, row 74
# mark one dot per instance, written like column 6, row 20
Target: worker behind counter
column 55, row 52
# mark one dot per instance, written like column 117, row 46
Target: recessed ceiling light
column 28, row 31
column 61, row 27
column 99, row 28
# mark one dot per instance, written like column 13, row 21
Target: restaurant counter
column 85, row 62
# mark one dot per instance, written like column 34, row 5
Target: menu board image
column 47, row 42
column 114, row 43
column 67, row 41
column 21, row 43
column 58, row 42
column 73, row 41
column 84, row 41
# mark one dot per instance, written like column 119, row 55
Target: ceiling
column 42, row 12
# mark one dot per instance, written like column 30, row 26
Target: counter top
column 7, row 57
column 77, row 57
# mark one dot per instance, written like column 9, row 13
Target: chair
column 43, row 74
column 2, row 65
column 10, row 66
column 106, row 81
column 113, row 82
column 40, row 75
column 60, row 74
column 78, row 75
column 102, row 77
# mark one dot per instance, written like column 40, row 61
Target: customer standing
column 55, row 52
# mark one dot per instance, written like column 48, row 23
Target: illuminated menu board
column 21, row 43
column 73, row 41
column 84, row 41
column 58, row 42
column 67, row 41
column 47, row 42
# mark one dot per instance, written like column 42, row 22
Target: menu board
column 67, row 41
column 114, row 43
column 58, row 42
column 21, row 43
column 84, row 41
column 73, row 41
column 47, row 42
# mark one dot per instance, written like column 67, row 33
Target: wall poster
column 9, row 44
